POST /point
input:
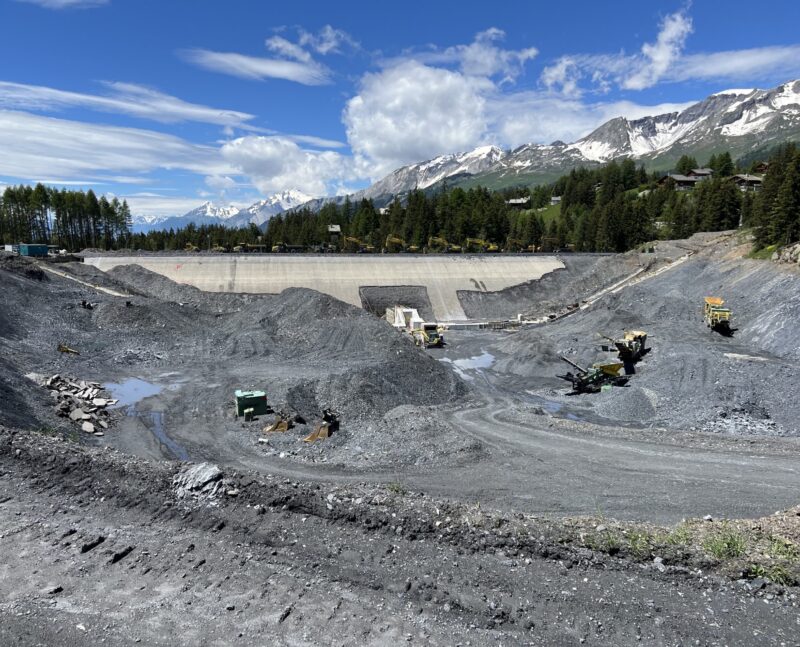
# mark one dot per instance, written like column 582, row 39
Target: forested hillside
column 608, row 209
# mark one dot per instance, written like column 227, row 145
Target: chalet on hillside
column 747, row 182
column 701, row 173
column 682, row 182
column 761, row 168
column 555, row 199
column 519, row 203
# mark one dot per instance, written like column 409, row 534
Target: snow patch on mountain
column 263, row 210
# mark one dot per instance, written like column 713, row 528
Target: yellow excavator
column 394, row 244
column 437, row 244
column 480, row 246
column 353, row 244
column 191, row 248
column 515, row 245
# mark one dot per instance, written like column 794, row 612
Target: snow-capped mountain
column 261, row 211
column 735, row 120
column 231, row 216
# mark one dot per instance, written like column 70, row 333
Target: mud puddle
column 477, row 363
column 129, row 393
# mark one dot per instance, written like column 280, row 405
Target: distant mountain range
column 739, row 121
column 207, row 213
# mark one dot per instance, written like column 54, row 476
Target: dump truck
column 594, row 378
column 428, row 335
column 631, row 346
column 716, row 315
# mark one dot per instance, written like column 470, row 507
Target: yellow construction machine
column 353, row 244
column 480, row 246
column 191, row 248
column 437, row 244
column 717, row 316
column 394, row 244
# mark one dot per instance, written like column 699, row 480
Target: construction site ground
column 466, row 499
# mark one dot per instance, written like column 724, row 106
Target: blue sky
column 171, row 103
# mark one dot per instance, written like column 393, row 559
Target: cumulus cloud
column 125, row 98
column 411, row 112
column 483, row 57
column 67, row 4
column 258, row 68
column 35, row 146
column 278, row 163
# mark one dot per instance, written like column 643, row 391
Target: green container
column 26, row 249
column 255, row 400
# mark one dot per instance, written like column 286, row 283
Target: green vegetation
column 726, row 543
column 764, row 254
column 71, row 219
column 612, row 208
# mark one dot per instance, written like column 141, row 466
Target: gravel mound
column 22, row 266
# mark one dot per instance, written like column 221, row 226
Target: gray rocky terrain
column 466, row 498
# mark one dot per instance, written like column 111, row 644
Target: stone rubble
column 84, row 403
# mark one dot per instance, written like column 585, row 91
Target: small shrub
column 640, row 544
column 780, row 547
column 680, row 536
column 396, row 488
column 727, row 543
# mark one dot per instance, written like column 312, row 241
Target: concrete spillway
column 342, row 276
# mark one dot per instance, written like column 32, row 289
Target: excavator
column 480, row 246
column 394, row 244
column 429, row 336
column 353, row 244
column 437, row 244
column 594, row 378
column 190, row 247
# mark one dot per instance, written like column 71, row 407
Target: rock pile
column 788, row 254
column 82, row 402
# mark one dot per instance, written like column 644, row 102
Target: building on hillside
column 334, row 232
column 555, row 199
column 747, row 182
column 682, row 182
column 761, row 168
column 519, row 203
column 701, row 173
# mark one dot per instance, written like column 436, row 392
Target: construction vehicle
column 328, row 426
column 515, row 245
column 353, row 244
column 63, row 348
column 219, row 249
column 279, row 248
column 630, row 347
column 717, row 316
column 428, row 336
column 480, row 246
column 437, row 244
column 190, row 247
column 394, row 244
column 594, row 378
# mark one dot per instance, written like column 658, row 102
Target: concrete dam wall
column 341, row 276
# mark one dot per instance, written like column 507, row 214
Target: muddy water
column 129, row 394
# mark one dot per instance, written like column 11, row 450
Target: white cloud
column 657, row 58
column 278, row 163
column 482, row 58
column 67, row 4
column 328, row 40
column 288, row 49
column 124, row 98
column 257, row 68
column 744, row 64
column 36, row 146
column 411, row 112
